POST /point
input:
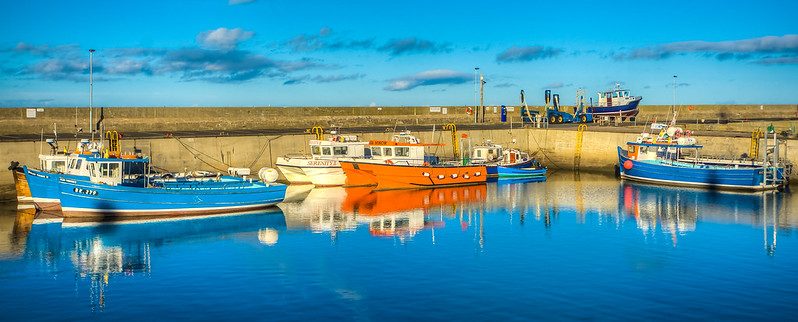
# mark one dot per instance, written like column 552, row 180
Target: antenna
column 91, row 92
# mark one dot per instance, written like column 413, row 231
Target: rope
column 540, row 149
column 196, row 155
column 263, row 149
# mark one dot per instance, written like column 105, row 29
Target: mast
column 91, row 92
column 673, row 107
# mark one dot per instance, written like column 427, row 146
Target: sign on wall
column 434, row 109
column 30, row 113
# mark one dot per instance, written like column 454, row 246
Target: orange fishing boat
column 395, row 176
column 401, row 163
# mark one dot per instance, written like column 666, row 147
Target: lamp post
column 91, row 92
column 476, row 88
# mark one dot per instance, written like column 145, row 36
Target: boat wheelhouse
column 321, row 167
column 616, row 102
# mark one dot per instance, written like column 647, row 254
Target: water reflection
column 99, row 252
column 560, row 211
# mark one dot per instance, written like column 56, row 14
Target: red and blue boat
column 673, row 158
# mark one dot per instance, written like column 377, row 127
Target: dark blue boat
column 615, row 102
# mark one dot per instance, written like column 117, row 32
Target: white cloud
column 223, row 38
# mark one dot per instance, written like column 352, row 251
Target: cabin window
column 325, row 151
column 625, row 94
column 314, row 149
column 375, row 151
column 110, row 170
column 79, row 163
column 387, row 152
column 339, row 150
column 614, row 94
column 479, row 153
column 59, row 166
column 643, row 149
column 402, row 152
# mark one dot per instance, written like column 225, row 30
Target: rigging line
column 263, row 149
column 540, row 149
column 190, row 149
column 196, row 156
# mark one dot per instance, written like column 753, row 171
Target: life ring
column 389, row 162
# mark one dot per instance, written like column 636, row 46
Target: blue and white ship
column 673, row 158
column 124, row 187
column 616, row 102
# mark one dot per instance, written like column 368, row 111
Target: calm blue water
column 570, row 248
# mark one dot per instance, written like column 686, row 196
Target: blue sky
column 360, row 53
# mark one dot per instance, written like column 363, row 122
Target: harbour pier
column 214, row 139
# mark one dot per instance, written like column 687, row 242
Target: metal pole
column 91, row 92
column 476, row 113
column 482, row 96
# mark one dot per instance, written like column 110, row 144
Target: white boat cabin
column 114, row 172
column 487, row 153
column 338, row 146
column 403, row 148
column 56, row 163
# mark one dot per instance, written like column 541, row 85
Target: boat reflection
column 14, row 229
column 675, row 211
column 391, row 213
column 97, row 252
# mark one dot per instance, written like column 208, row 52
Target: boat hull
column 628, row 110
column 323, row 173
column 21, row 186
column 511, row 172
column 741, row 178
column 87, row 199
column 392, row 176
column 43, row 188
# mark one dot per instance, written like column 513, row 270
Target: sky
column 394, row 53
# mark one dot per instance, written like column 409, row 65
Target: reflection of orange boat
column 364, row 201
column 403, row 213
column 396, row 176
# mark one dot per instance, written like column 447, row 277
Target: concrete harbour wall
column 555, row 148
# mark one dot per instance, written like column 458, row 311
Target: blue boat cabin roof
column 680, row 146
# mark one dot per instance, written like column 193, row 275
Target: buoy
column 388, row 162
column 426, row 174
column 268, row 175
column 440, row 177
column 628, row 164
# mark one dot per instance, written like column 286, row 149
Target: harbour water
column 575, row 247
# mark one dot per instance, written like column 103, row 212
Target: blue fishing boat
column 616, row 102
column 510, row 172
column 500, row 161
column 122, row 187
column 673, row 159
